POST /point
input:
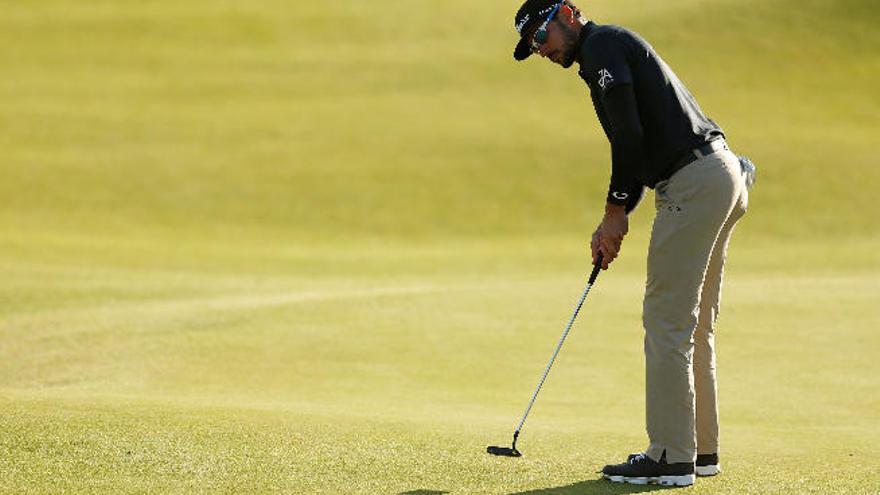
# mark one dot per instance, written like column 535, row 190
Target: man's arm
column 627, row 156
column 627, row 146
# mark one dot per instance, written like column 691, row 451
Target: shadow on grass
column 423, row 492
column 594, row 487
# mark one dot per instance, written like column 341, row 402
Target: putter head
column 503, row 451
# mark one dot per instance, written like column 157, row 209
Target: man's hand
column 609, row 235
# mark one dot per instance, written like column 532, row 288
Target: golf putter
column 511, row 451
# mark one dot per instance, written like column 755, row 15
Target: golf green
column 280, row 247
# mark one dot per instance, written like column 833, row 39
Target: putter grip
column 596, row 268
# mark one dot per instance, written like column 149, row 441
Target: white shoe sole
column 710, row 470
column 684, row 480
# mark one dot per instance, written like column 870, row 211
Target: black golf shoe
column 640, row 469
column 707, row 465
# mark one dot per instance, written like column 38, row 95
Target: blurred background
column 365, row 219
column 324, row 122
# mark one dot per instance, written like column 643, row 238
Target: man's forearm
column 614, row 209
column 627, row 146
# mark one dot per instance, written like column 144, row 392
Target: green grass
column 310, row 122
column 392, row 372
column 272, row 247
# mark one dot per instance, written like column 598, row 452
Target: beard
column 571, row 42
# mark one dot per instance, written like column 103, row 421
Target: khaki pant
column 697, row 209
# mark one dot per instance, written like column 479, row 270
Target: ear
column 568, row 13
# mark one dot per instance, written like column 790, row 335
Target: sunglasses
column 541, row 35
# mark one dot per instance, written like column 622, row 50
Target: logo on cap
column 522, row 23
column 619, row 195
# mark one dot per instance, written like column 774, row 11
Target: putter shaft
column 590, row 283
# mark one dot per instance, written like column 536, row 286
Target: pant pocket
column 661, row 193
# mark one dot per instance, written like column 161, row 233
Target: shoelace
column 638, row 458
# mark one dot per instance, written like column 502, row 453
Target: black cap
column 528, row 18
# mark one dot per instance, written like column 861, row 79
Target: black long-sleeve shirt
column 618, row 113
column 648, row 115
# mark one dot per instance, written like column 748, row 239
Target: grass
column 391, row 373
column 263, row 247
column 202, row 118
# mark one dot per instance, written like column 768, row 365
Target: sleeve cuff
column 618, row 197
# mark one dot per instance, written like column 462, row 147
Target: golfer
column 661, row 139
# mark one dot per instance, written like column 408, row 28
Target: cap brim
column 523, row 50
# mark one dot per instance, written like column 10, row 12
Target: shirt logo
column 605, row 77
column 619, row 195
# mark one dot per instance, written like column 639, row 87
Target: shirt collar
column 585, row 31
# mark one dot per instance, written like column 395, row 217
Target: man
column 660, row 139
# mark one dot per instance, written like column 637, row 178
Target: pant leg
column 705, row 386
column 692, row 208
